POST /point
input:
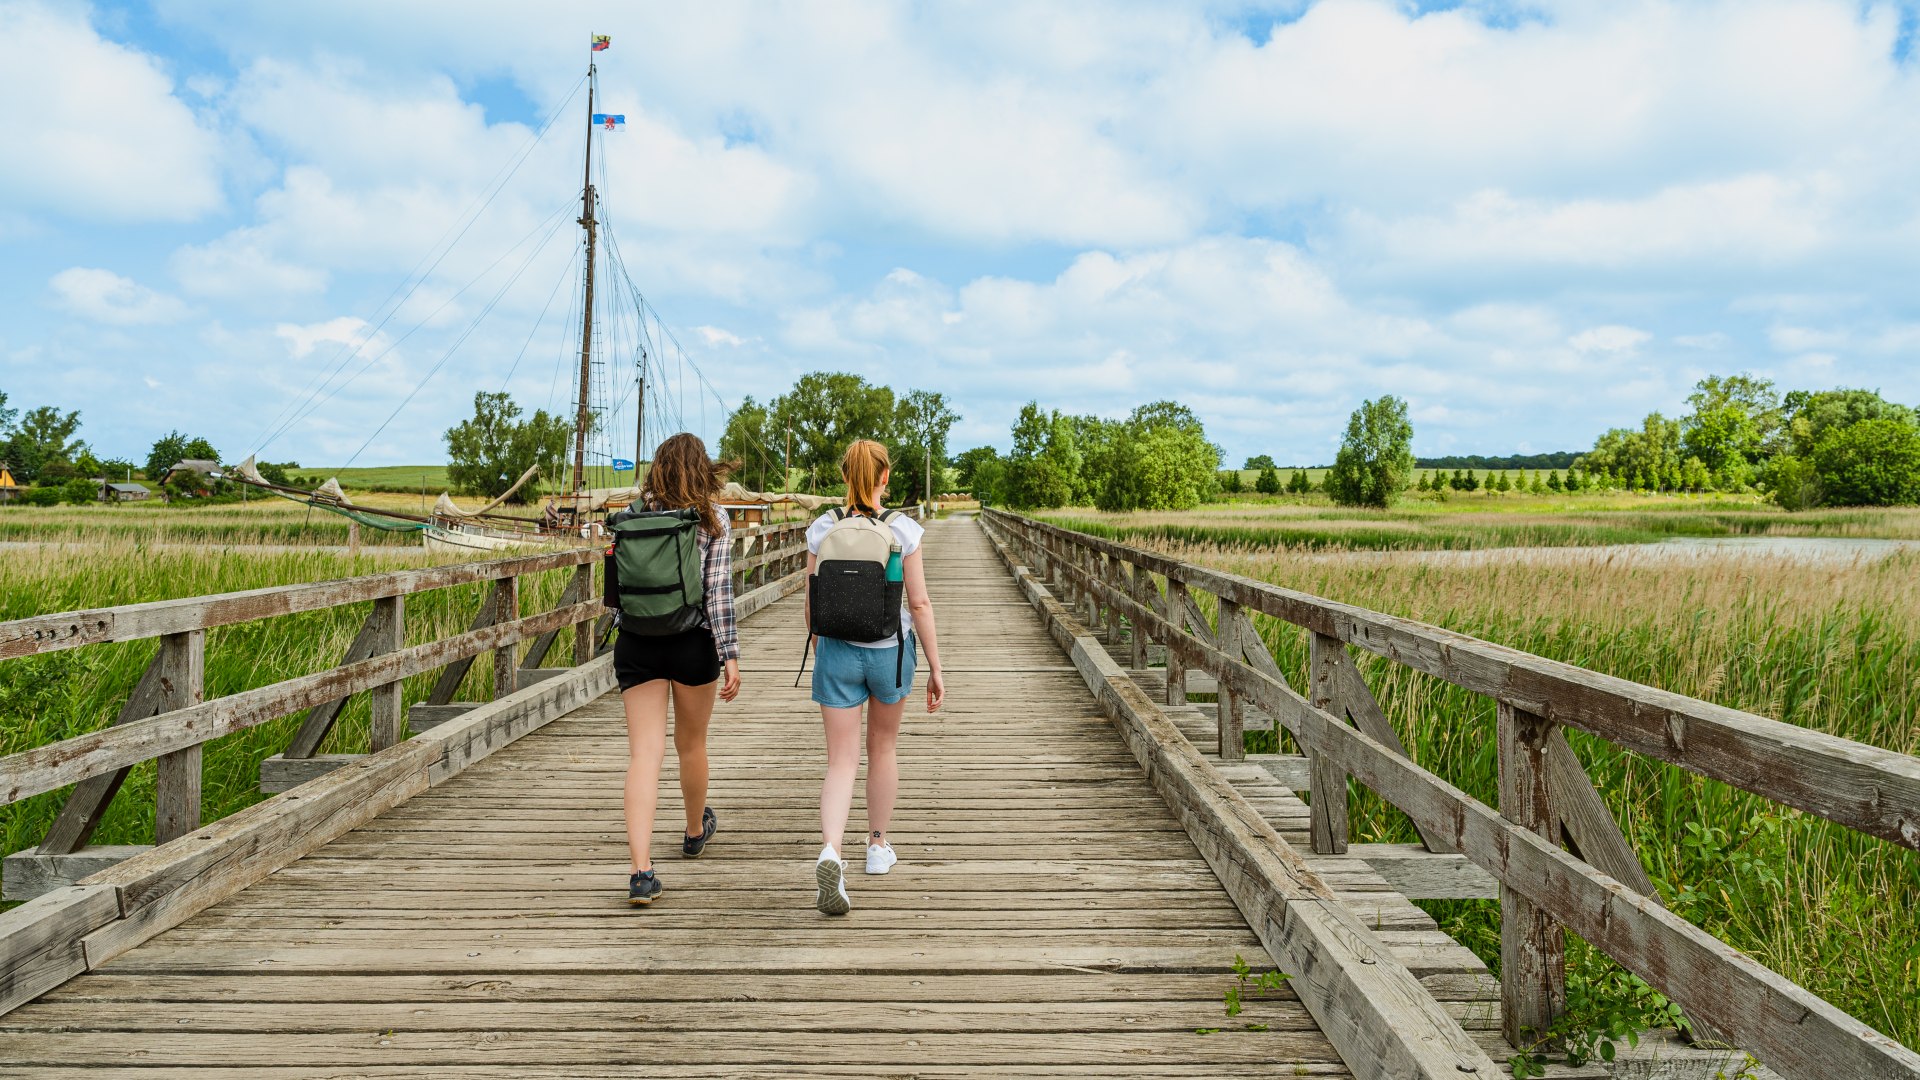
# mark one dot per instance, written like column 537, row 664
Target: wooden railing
column 1594, row 885
column 167, row 718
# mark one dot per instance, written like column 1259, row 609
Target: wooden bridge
column 1085, row 851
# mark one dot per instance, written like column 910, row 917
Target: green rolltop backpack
column 656, row 556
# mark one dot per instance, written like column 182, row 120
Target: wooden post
column 353, row 539
column 1326, row 780
column 1231, row 715
column 176, row 785
column 1141, row 590
column 389, row 635
column 1533, row 975
column 88, row 804
column 1174, row 603
column 583, row 631
column 506, row 608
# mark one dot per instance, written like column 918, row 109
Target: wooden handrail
column 1873, row 790
column 1543, row 887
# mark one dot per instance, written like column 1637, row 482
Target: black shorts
column 687, row 658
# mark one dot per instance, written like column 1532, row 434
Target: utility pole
column 583, row 418
column 786, row 475
column 640, row 417
column 929, row 472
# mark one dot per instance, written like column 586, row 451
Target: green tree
column 1869, row 463
column 487, row 453
column 1157, row 459
column 921, row 422
column 79, row 491
column 1230, row 481
column 989, row 481
column 1376, row 455
column 1502, row 485
column 1472, row 482
column 750, row 440
column 1044, row 464
column 1268, row 482
column 1553, row 482
column 41, row 440
column 969, row 461
column 1420, row 483
column 7, row 416
column 173, row 448
column 1259, row 461
column 827, row 410
column 1735, row 422
column 1812, row 415
column 1650, row 452
column 1792, row 482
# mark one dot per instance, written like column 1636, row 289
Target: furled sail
column 446, row 505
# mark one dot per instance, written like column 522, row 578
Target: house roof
column 129, row 488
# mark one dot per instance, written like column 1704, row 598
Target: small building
column 8, row 489
column 114, row 492
column 201, row 467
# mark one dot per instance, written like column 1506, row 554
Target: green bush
column 1871, row 463
column 39, row 496
column 79, row 492
column 1268, row 482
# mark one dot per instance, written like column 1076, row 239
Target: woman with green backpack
column 863, row 562
column 670, row 582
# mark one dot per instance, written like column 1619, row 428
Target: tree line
column 794, row 440
column 43, row 451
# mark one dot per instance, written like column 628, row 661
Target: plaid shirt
column 716, row 562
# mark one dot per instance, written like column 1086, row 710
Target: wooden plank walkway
column 1048, row 917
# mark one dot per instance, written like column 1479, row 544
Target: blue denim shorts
column 845, row 676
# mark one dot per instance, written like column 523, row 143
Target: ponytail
column 862, row 467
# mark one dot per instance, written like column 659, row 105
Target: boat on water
column 576, row 514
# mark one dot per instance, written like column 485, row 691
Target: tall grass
column 1832, row 647
column 1563, row 522
column 262, row 521
column 60, row 695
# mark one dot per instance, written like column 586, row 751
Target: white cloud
column 1609, row 339
column 92, row 129
column 104, row 296
column 713, row 335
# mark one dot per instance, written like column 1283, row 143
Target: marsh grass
column 1832, row 647
column 56, row 696
column 1472, row 522
column 262, row 521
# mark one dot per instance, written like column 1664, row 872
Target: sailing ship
column 576, row 515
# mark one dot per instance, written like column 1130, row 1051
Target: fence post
column 506, row 608
column 1230, row 713
column 1326, row 780
column 389, row 635
column 583, row 631
column 1533, row 975
column 1140, row 588
column 1174, row 607
column 176, row 785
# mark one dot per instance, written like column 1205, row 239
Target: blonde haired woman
column 876, row 675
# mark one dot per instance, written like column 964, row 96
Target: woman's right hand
column 936, row 691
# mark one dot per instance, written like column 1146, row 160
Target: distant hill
column 1560, row 459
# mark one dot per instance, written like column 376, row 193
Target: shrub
column 1268, row 482
column 79, row 492
column 1376, row 456
column 1871, row 463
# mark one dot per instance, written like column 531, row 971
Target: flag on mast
column 601, row 42
column 610, row 121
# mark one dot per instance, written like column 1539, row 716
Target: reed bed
column 261, row 521
column 1830, row 646
column 56, row 696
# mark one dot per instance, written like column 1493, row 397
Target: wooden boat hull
column 478, row 539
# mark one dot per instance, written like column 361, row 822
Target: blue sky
column 1532, row 220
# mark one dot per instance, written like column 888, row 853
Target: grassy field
column 1830, row 647
column 1467, row 522
column 57, row 696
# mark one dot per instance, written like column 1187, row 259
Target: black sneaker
column 642, row 888
column 693, row 847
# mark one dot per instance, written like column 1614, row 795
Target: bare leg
column 646, row 706
column 883, row 763
column 692, row 709
column 843, row 762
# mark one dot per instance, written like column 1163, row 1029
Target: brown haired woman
column 876, row 674
column 688, row 666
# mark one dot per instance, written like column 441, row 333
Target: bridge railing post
column 1326, row 780
column 1231, row 716
column 176, row 784
column 389, row 721
column 1533, row 975
column 506, row 608
column 1174, row 605
column 583, row 630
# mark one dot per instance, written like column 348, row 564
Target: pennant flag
column 610, row 121
column 601, row 42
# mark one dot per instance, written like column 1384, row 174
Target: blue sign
column 622, row 466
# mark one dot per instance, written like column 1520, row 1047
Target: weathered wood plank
column 40, row 940
column 455, row 673
column 31, row 873
column 1533, row 963
column 318, row 722
column 1584, row 821
column 1327, row 792
column 506, row 600
column 538, row 648
column 388, row 724
column 177, row 776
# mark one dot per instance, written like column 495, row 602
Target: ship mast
column 585, row 417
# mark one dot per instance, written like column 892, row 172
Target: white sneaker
column 831, row 874
column 880, row 858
